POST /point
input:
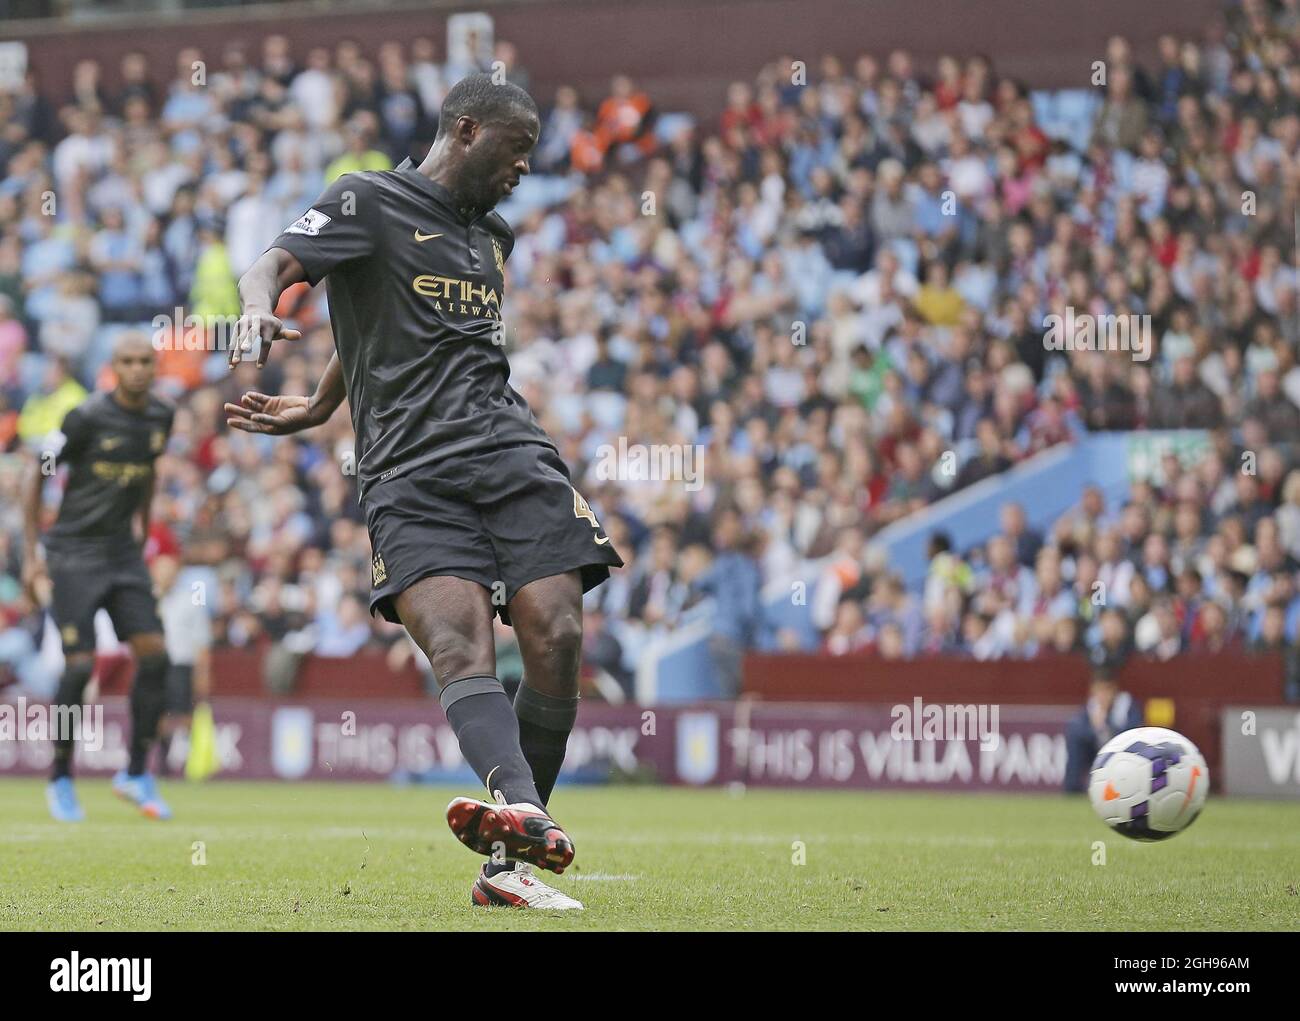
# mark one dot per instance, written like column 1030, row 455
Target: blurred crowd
column 835, row 290
column 1204, row 561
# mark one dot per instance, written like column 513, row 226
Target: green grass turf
column 343, row 856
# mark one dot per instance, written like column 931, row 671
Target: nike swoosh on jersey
column 425, row 237
column 599, row 541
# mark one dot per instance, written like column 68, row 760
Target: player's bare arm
column 259, row 291
column 281, row 414
column 36, row 580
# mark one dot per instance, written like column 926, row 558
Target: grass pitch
column 342, row 856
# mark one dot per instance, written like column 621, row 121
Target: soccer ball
column 1148, row 783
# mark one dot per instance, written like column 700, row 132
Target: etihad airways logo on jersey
column 123, row 473
column 459, row 297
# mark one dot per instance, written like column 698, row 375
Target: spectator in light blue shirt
column 116, row 258
column 733, row 581
column 810, row 272
column 933, row 215
column 344, row 632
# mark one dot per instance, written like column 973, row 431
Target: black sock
column 485, row 726
column 545, row 723
column 164, row 749
column 148, row 694
column 72, row 688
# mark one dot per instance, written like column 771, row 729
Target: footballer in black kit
column 470, row 508
column 93, row 559
column 456, row 476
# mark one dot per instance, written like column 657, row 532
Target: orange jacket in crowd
column 619, row 121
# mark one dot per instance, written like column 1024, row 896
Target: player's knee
column 453, row 655
column 77, row 670
column 151, row 669
column 148, row 645
column 562, row 634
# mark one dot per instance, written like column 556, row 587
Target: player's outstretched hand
column 250, row 326
column 275, row 415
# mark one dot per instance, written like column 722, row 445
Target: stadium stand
column 837, row 296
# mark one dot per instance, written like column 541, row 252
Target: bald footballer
column 93, row 558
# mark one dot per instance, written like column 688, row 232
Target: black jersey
column 110, row 453
column 415, row 292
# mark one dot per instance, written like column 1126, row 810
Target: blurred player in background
column 94, row 558
column 469, row 505
column 187, row 629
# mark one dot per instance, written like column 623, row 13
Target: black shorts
column 506, row 519
column 84, row 583
column 180, row 689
